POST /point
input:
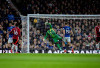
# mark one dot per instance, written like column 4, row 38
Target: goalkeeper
column 51, row 33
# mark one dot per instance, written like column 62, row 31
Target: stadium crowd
column 8, row 15
column 59, row 6
column 83, row 30
column 82, row 37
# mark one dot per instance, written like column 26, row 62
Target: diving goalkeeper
column 52, row 34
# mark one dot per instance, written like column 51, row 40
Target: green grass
column 49, row 60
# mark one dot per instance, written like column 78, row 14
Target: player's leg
column 16, row 48
column 10, row 41
column 69, row 43
column 16, row 45
column 58, row 37
column 63, row 44
column 12, row 48
column 97, row 44
column 57, row 43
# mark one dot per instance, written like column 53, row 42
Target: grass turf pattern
column 49, row 60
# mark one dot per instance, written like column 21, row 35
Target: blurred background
column 82, row 37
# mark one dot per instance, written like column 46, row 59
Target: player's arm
column 11, row 32
column 46, row 23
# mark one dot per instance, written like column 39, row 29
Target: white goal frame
column 56, row 16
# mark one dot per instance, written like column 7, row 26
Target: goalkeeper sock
column 59, row 47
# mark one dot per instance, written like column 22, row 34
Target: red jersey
column 97, row 29
column 16, row 32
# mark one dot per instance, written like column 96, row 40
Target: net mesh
column 82, row 36
column 24, row 48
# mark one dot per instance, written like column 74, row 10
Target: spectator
column 10, row 16
column 1, row 30
column 52, row 7
column 80, row 27
column 7, row 16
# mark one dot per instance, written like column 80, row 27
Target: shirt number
column 15, row 32
column 67, row 31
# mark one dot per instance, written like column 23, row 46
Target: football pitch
column 49, row 60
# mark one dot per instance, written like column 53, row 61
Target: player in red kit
column 16, row 33
column 97, row 32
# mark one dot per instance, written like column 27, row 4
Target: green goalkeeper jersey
column 52, row 34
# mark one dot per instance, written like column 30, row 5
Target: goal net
column 34, row 30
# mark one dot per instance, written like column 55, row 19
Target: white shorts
column 67, row 39
column 10, row 40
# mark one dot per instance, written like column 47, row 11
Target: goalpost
column 33, row 22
